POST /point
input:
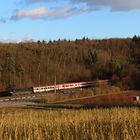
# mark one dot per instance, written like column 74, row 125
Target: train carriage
column 63, row 86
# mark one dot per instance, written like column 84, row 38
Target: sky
column 68, row 19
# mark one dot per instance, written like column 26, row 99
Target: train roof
column 66, row 84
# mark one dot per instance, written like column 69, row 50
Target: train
column 63, row 86
column 49, row 88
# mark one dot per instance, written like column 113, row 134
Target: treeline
column 40, row 63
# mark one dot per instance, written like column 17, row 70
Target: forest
column 37, row 63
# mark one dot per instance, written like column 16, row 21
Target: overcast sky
column 70, row 19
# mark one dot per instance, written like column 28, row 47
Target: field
column 95, row 124
column 97, row 97
column 74, row 117
column 119, row 99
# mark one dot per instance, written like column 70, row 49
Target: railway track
column 30, row 97
column 21, row 98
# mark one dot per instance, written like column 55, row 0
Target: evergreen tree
column 92, row 57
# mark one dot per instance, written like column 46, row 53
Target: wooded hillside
column 38, row 63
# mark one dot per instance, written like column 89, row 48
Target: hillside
column 38, row 63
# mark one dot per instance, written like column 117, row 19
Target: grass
column 85, row 92
column 62, row 124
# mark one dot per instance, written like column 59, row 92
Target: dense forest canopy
column 38, row 63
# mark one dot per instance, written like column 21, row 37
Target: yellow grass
column 95, row 124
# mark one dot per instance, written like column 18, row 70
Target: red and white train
column 67, row 86
column 39, row 89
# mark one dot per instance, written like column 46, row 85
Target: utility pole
column 8, row 69
column 39, row 79
column 55, row 84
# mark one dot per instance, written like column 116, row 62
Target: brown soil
column 107, row 99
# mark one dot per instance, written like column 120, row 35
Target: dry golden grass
column 95, row 124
